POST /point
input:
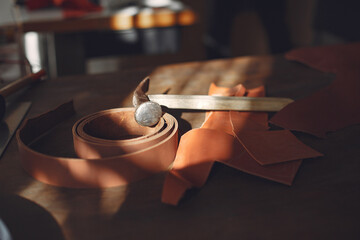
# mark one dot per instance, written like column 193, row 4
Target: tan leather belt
column 113, row 149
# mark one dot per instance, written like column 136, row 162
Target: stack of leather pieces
column 241, row 140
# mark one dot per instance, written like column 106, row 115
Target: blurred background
column 32, row 37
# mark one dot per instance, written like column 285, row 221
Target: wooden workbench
column 323, row 202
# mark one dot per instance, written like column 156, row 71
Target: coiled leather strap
column 113, row 149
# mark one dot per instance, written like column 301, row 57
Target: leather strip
column 109, row 153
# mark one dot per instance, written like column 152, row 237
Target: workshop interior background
column 223, row 28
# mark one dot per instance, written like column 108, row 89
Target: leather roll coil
column 113, row 149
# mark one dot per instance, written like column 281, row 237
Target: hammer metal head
column 147, row 113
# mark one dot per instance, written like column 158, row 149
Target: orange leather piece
column 107, row 156
column 327, row 58
column 224, row 137
column 333, row 107
column 271, row 153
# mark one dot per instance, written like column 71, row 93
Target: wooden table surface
column 323, row 202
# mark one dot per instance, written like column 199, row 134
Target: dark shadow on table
column 27, row 220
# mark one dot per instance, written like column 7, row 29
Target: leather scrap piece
column 333, row 107
column 327, row 58
column 271, row 153
column 219, row 139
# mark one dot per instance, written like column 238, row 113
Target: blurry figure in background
column 221, row 15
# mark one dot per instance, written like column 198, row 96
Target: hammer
column 147, row 113
column 148, row 108
column 15, row 86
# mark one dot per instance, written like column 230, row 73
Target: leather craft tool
column 149, row 111
column 15, row 86
column 11, row 115
column 12, row 119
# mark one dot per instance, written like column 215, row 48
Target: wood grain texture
column 321, row 204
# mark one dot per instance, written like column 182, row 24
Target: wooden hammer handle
column 20, row 83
